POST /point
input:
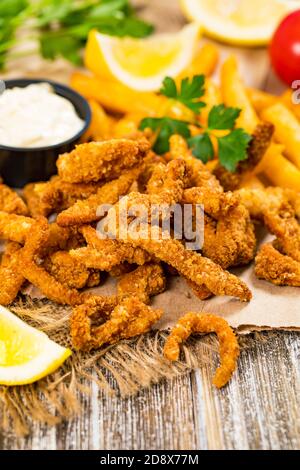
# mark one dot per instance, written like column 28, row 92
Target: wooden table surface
column 259, row 409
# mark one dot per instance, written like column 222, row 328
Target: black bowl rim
column 61, row 89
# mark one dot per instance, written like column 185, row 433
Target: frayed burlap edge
column 133, row 364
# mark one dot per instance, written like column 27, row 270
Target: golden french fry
column 116, row 97
column 252, row 182
column 287, row 99
column 279, row 170
column 287, row 130
column 261, row 99
column 127, row 125
column 101, row 124
column 212, row 97
column 234, row 94
column 204, row 62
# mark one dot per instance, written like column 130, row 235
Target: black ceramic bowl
column 19, row 166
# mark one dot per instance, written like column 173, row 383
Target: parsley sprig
column 232, row 147
column 61, row 26
column 189, row 93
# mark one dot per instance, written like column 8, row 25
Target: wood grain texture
column 259, row 409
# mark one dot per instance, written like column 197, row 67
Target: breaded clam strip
column 229, row 238
column 144, row 282
column 173, row 177
column 85, row 211
column 200, row 175
column 192, row 266
column 93, row 309
column 11, row 279
column 277, row 268
column 206, row 323
column 96, row 161
column 105, row 254
column 129, row 318
column 286, row 227
column 272, row 206
column 37, row 275
column 68, row 271
column 14, row 227
column 55, row 195
column 11, row 202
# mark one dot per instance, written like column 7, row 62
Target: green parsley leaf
column 165, row 128
column 221, row 117
column 202, row 147
column 189, row 93
column 65, row 21
column 233, row 148
column 56, row 44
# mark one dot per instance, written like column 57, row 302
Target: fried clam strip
column 294, row 199
column 149, row 165
column 143, row 282
column 206, row 323
column 11, row 202
column 200, row 175
column 272, row 206
column 14, row 227
column 261, row 140
column 94, row 309
column 258, row 201
column 229, row 238
column 85, row 211
column 285, row 226
column 65, row 269
column 36, row 274
column 277, row 268
column 189, row 264
column 200, row 270
column 129, row 318
column 56, row 195
column 174, row 177
column 106, row 160
column 104, row 254
column 11, row 279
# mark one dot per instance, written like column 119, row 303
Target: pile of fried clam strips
column 65, row 258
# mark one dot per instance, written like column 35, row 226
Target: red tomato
column 285, row 48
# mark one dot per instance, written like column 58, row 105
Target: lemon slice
column 241, row 22
column 26, row 354
column 141, row 64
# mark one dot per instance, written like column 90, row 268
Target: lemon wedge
column 141, row 64
column 240, row 22
column 26, row 354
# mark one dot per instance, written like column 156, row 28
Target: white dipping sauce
column 35, row 116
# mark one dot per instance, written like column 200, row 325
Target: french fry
column 287, row 130
column 127, row 125
column 261, row 99
column 287, row 99
column 252, row 182
column 204, row 62
column 101, row 124
column 211, row 97
column 116, row 97
column 234, row 94
column 279, row 170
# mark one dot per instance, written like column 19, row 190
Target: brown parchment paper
column 271, row 306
